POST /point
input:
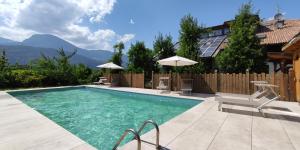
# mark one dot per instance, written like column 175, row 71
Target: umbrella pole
column 110, row 76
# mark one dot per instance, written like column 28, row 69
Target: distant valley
column 32, row 48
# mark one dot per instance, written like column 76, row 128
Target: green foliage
column 56, row 70
column 118, row 52
column 190, row 34
column 163, row 48
column 3, row 62
column 4, row 71
column 25, row 78
column 95, row 74
column 140, row 58
column 82, row 74
column 243, row 50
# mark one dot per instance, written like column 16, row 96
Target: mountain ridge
column 47, row 44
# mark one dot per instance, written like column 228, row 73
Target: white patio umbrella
column 110, row 66
column 176, row 61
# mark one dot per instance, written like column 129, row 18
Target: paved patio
column 202, row 127
column 22, row 128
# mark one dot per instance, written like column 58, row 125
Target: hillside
column 31, row 48
column 25, row 54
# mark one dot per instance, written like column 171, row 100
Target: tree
column 163, row 48
column 243, row 50
column 57, row 70
column 4, row 71
column 3, row 62
column 140, row 58
column 118, row 52
column 189, row 37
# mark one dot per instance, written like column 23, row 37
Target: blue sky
column 164, row 16
column 98, row 24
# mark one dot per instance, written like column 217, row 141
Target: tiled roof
column 273, row 35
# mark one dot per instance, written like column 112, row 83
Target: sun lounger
column 267, row 96
column 102, row 81
column 257, row 94
column 163, row 84
column 186, row 86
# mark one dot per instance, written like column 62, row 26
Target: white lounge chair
column 102, row 81
column 163, row 84
column 257, row 94
column 187, row 86
column 265, row 97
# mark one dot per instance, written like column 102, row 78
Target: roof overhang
column 279, row 56
column 293, row 45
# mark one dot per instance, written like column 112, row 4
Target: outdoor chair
column 187, row 86
column 260, row 90
column 163, row 84
column 265, row 97
column 102, row 81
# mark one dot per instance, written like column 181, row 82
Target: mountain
column 48, row 41
column 24, row 54
column 48, row 44
column 8, row 42
column 51, row 41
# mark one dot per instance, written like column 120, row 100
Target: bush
column 82, row 74
column 25, row 78
column 95, row 75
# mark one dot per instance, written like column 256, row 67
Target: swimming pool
column 100, row 116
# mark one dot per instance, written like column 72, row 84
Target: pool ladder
column 137, row 135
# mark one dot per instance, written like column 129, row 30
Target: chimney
column 279, row 21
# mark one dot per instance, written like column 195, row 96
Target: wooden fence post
column 130, row 78
column 170, row 80
column 291, row 85
column 152, row 79
column 216, row 81
column 248, row 81
column 282, row 86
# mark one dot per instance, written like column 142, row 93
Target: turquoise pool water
column 100, row 116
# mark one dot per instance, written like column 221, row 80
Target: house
column 293, row 49
column 274, row 34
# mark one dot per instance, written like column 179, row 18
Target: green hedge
column 25, row 78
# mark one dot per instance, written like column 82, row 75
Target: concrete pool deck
column 201, row 127
column 21, row 127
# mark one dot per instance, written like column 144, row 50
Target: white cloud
column 19, row 19
column 131, row 21
column 126, row 37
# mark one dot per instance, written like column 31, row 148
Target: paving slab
column 268, row 134
column 235, row 132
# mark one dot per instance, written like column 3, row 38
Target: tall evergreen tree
column 243, row 50
column 4, row 71
column 190, row 34
column 118, row 52
column 3, row 62
column 163, row 48
column 140, row 58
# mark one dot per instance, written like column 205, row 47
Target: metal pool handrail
column 136, row 136
column 157, row 131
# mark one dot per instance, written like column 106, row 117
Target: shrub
column 25, row 78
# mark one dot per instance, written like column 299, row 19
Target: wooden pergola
column 293, row 49
column 283, row 59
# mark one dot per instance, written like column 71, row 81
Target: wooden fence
column 128, row 79
column 239, row 83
